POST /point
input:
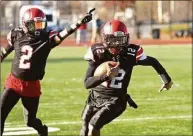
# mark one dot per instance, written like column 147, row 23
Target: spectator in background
column 74, row 19
column 81, row 34
column 96, row 29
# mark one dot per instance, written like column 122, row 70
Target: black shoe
column 44, row 131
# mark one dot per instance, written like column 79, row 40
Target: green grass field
column 64, row 95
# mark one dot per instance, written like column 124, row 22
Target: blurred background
column 144, row 19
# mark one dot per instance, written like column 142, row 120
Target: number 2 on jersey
column 116, row 81
column 27, row 54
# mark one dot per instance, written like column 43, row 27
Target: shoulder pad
column 132, row 49
column 95, row 52
column 140, row 55
column 18, row 29
column 136, row 46
column 99, row 47
column 13, row 34
column 89, row 55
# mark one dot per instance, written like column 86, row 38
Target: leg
column 98, row 35
column 84, row 38
column 87, row 114
column 30, row 110
column 78, row 37
column 9, row 99
column 93, row 131
column 93, row 37
column 105, row 115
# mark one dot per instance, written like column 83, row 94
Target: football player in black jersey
column 108, row 93
column 32, row 44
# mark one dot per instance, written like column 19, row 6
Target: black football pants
column 98, row 117
column 9, row 99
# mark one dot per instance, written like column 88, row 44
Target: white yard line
column 24, row 131
column 128, row 119
column 122, row 120
column 154, row 118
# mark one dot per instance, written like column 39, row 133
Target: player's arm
column 144, row 60
column 91, row 80
column 59, row 37
column 8, row 49
column 151, row 61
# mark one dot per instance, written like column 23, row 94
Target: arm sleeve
column 151, row 61
column 57, row 38
column 93, row 81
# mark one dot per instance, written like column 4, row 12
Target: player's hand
column 88, row 17
column 166, row 86
column 131, row 102
column 113, row 71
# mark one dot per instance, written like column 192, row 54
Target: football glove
column 88, row 17
column 131, row 102
column 166, row 86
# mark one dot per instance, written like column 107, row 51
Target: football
column 102, row 68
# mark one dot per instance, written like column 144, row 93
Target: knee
column 93, row 131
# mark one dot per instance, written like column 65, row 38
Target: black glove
column 131, row 102
column 86, row 19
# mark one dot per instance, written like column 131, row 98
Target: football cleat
column 44, row 131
